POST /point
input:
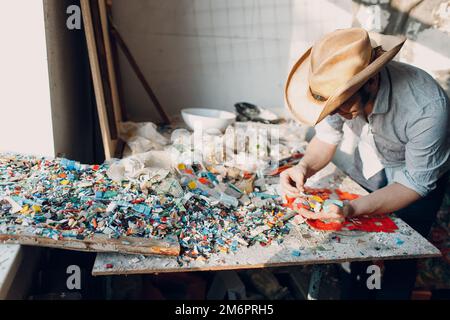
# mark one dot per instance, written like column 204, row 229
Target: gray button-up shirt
column 410, row 126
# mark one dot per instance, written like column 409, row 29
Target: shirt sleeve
column 427, row 150
column 330, row 129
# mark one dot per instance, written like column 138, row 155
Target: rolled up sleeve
column 330, row 129
column 427, row 150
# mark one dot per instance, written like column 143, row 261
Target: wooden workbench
column 315, row 247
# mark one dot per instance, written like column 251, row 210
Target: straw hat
column 334, row 69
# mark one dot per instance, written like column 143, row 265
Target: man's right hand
column 292, row 180
column 318, row 154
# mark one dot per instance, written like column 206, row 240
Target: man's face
column 351, row 108
column 355, row 105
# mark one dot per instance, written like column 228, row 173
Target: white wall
column 25, row 114
column 213, row 53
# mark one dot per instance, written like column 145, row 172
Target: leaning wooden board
column 300, row 247
column 99, row 80
column 97, row 243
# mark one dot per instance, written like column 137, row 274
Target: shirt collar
column 382, row 100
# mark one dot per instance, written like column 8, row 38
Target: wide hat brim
column 308, row 110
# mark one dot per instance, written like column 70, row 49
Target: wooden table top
column 303, row 245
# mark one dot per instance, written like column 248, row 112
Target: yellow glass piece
column 36, row 208
column 317, row 198
column 25, row 208
column 192, row 185
column 65, row 182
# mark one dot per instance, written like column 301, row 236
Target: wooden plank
column 319, row 249
column 98, row 243
column 108, row 144
column 116, row 66
column 110, row 62
column 315, row 247
column 102, row 59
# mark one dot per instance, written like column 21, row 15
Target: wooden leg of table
column 314, row 282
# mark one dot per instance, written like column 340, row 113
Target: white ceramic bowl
column 207, row 118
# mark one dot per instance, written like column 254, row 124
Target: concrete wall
column 74, row 117
column 25, row 113
column 426, row 24
column 46, row 105
column 213, row 53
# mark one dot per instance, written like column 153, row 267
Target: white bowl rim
column 226, row 115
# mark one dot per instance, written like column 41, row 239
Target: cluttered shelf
column 209, row 200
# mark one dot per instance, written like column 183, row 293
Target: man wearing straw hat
column 401, row 116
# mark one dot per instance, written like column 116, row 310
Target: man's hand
column 318, row 154
column 292, row 180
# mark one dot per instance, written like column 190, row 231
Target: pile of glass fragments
column 209, row 211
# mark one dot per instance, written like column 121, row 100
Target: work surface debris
column 58, row 198
column 210, row 207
